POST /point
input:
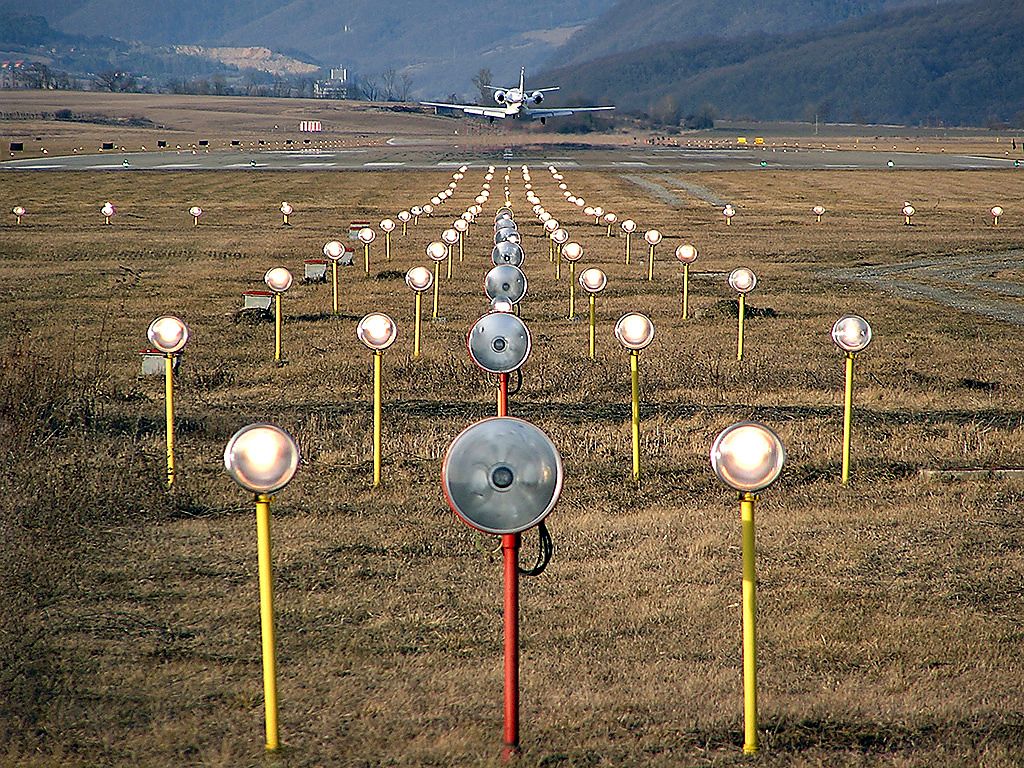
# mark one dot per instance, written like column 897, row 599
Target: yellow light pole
column 610, row 219
column 404, row 216
column 629, row 227
column 108, row 210
column 420, row 280
column 852, row 334
column 572, row 252
column 169, row 335
column 18, row 211
column 593, row 281
column 598, row 213
column 686, row 254
column 748, row 457
column 449, row 237
column 378, row 332
column 653, row 237
column 635, row 332
column 550, row 227
column 387, row 226
column 286, row 211
column 366, row 236
column 334, row 250
column 195, row 212
column 416, row 212
column 461, row 226
column 262, row 459
column 436, row 252
column 559, row 237
column 908, row 211
column 996, row 211
column 818, row 211
column 741, row 280
column 278, row 280
column 728, row 212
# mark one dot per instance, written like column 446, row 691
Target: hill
column 440, row 45
column 951, row 64
column 632, row 24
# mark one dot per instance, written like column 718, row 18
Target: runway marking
column 102, row 167
column 37, row 167
column 630, row 162
column 317, row 165
column 178, row 165
column 381, row 165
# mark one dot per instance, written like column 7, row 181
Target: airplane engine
column 499, row 96
column 536, row 97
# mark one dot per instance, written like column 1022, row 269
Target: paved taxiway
column 398, row 157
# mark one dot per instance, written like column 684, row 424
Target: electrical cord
column 546, row 549
column 519, row 382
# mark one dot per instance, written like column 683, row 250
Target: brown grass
column 890, row 618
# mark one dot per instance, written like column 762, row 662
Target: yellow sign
column 758, row 140
column 741, row 140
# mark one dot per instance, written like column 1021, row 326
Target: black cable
column 519, row 382
column 547, row 548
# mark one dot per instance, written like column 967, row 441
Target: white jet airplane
column 514, row 102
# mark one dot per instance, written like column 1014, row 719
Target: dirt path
column 970, row 283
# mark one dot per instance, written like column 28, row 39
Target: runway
column 421, row 157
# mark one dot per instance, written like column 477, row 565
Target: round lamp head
column 598, row 211
column 387, row 225
column 18, row 210
column 686, row 253
column 610, row 218
column 499, row 342
column 550, row 225
column 652, row 236
column 334, row 250
column 108, row 209
column 437, row 251
column 563, row 186
column 628, row 226
column 747, row 457
column 589, row 211
column 287, row 209
column 909, row 210
column 168, row 334
column 818, row 210
column 428, row 209
column 580, row 202
column 560, row 236
column 544, row 217
column 366, row 235
column 508, row 253
column 504, row 213
column 196, row 211
column 742, row 280
column 460, row 225
column 593, row 280
column 996, row 211
column 404, row 216
column 278, row 279
column 570, row 198
column 450, row 236
column 505, row 280
column 851, row 333
column 419, row 279
column 435, row 200
column 502, row 475
column 502, row 304
column 377, row 331
column 572, row 252
column 261, row 458
column 634, row 331
column 480, row 199
column 728, row 211
column 416, row 210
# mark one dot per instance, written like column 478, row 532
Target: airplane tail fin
column 522, row 80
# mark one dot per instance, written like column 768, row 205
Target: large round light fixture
column 747, row 457
column 168, row 334
column 261, row 458
column 851, row 333
column 377, row 331
column 634, row 331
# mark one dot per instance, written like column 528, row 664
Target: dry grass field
column 891, row 613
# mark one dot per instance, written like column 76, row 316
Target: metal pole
column 334, row 282
column 366, row 257
column 169, row 402
column 593, row 319
column 437, row 279
column 634, row 370
column 572, row 290
column 462, row 235
column 277, row 328
column 558, row 267
column 267, row 619
column 551, row 249
column 847, row 417
column 749, row 626
column 503, row 394
column 686, row 290
column 404, row 228
column 378, row 355
column 416, row 327
column 627, row 247
column 739, row 337
column 449, row 275
column 387, row 245
column 650, row 265
column 510, row 556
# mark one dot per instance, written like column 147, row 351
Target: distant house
column 24, row 74
column 334, row 87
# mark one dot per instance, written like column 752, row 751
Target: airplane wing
column 544, row 114
column 469, row 109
